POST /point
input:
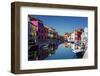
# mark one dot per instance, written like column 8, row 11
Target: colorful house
column 40, row 32
column 36, row 29
column 72, row 36
column 84, row 36
column 31, row 33
column 78, row 34
column 66, row 36
column 46, row 33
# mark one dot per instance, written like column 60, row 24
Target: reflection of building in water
column 77, row 40
column 40, row 53
column 67, row 45
column 52, row 49
column 77, row 49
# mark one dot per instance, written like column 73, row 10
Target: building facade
column 66, row 37
column 36, row 30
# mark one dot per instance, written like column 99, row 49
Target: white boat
column 78, row 50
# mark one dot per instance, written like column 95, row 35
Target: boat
column 79, row 52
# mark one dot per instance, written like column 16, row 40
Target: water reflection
column 37, row 52
column 78, row 49
column 66, row 50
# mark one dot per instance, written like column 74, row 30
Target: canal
column 62, row 52
column 55, row 51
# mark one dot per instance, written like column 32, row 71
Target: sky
column 63, row 24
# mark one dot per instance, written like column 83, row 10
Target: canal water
column 56, row 51
column 62, row 52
